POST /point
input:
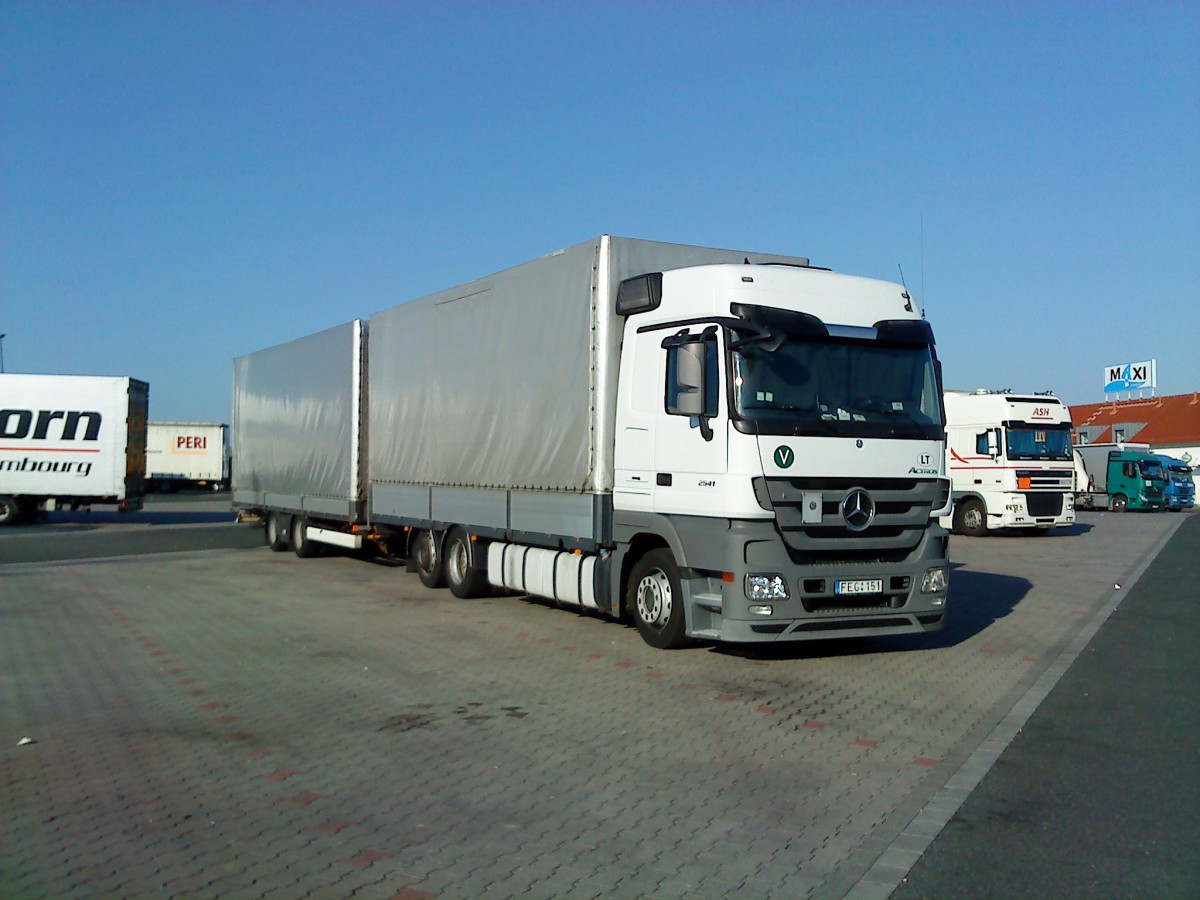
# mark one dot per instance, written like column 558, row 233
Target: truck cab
column 1010, row 462
column 1180, row 490
column 782, row 429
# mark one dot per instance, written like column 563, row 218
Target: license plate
column 859, row 586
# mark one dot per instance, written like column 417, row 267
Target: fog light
column 766, row 587
column 938, row 601
column 935, row 581
column 761, row 610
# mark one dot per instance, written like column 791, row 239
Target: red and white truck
column 68, row 441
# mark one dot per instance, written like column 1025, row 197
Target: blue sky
column 185, row 182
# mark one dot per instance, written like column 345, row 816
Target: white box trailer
column 1010, row 462
column 720, row 444
column 186, row 455
column 70, row 441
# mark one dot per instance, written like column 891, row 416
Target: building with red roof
column 1170, row 425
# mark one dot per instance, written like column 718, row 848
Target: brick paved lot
column 239, row 723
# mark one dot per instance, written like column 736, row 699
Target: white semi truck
column 68, row 441
column 1010, row 461
column 186, row 455
column 720, row 445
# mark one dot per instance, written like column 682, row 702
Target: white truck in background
column 1010, row 462
column 717, row 444
column 69, row 441
column 186, row 455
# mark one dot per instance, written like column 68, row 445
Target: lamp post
column 2, row 337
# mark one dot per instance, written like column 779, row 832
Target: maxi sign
column 1134, row 376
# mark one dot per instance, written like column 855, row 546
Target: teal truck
column 1120, row 479
column 1180, row 492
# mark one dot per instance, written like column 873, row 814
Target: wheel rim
column 272, row 529
column 973, row 518
column 456, row 562
column 425, row 552
column 654, row 599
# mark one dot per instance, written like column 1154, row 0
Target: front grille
column 1044, row 504
column 902, row 508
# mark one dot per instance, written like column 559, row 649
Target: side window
column 1127, row 468
column 981, row 443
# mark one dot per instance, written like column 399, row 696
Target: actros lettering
column 16, row 424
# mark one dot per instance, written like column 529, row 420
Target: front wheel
column 655, row 598
column 970, row 519
column 428, row 560
column 10, row 511
column 1120, row 503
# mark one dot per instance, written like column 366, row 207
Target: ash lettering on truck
column 16, row 424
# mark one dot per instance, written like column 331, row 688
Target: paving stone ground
column 240, row 723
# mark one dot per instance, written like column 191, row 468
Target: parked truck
column 720, row 445
column 186, row 455
column 1121, row 477
column 1179, row 492
column 1010, row 462
column 70, row 441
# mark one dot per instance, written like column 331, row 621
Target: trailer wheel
column 655, row 597
column 1120, row 503
column 10, row 510
column 970, row 518
column 276, row 536
column 464, row 576
column 305, row 549
column 428, row 560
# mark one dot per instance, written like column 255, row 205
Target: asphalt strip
column 894, row 864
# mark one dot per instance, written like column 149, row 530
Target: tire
column 303, row 547
column 970, row 518
column 428, row 559
column 464, row 576
column 10, row 511
column 277, row 538
column 655, row 600
column 1120, row 503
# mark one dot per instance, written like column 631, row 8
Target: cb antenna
column 907, row 297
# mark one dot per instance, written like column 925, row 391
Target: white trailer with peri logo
column 719, row 445
column 1010, row 461
column 187, row 455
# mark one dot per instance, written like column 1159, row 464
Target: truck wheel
column 464, row 577
column 10, row 511
column 428, row 560
column 1120, row 503
column 655, row 598
column 305, row 549
column 970, row 519
column 276, row 536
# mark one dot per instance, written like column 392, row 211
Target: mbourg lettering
column 82, row 469
column 16, row 424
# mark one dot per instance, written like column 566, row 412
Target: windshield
column 1039, row 443
column 860, row 388
column 1151, row 470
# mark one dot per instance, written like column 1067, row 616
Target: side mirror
column 993, row 442
column 691, row 361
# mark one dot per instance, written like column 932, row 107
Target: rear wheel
column 1120, row 503
column 464, row 576
column 276, row 535
column 655, row 599
column 305, row 548
column 428, row 560
column 10, row 511
column 970, row 518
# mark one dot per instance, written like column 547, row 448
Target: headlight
column 767, row 586
column 935, row 580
